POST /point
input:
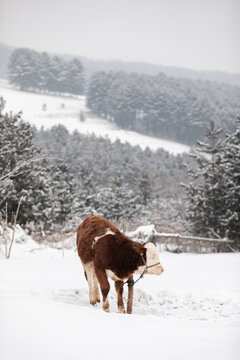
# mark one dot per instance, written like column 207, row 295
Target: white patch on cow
column 140, row 269
column 108, row 232
column 111, row 274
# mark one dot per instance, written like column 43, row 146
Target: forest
column 59, row 174
column 176, row 109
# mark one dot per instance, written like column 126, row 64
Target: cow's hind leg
column 90, row 275
column 119, row 289
column 105, row 287
column 95, row 285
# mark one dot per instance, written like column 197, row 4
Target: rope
column 132, row 282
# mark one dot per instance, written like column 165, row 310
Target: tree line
column 32, row 70
column 177, row 109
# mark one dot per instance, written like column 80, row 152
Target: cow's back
column 88, row 230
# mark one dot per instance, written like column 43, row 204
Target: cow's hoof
column 93, row 302
column 106, row 308
column 122, row 310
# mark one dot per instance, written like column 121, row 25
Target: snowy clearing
column 31, row 104
column 192, row 311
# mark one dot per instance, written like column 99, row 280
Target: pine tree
column 145, row 185
column 21, row 170
column 231, row 179
column 74, row 79
column 23, row 68
column 86, row 191
column 97, row 93
column 62, row 192
column 30, row 69
column 44, row 71
column 206, row 193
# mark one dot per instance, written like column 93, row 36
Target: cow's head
column 152, row 258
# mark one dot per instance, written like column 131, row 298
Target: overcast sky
column 196, row 34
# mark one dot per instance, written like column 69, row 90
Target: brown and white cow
column 106, row 252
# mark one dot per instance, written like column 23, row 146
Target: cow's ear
column 149, row 245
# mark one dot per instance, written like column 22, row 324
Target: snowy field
column 192, row 311
column 31, row 104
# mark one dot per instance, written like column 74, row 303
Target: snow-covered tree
column 145, row 185
column 206, row 193
column 231, row 180
column 23, row 68
column 62, row 192
column 21, row 172
column 30, row 69
column 97, row 93
column 74, row 78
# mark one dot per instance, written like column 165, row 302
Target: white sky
column 197, row 34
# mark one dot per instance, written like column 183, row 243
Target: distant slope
column 31, row 104
column 92, row 66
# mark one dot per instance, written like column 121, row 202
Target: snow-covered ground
column 31, row 104
column 192, row 311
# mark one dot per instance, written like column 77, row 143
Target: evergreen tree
column 145, row 185
column 231, row 180
column 44, row 71
column 97, row 93
column 21, row 173
column 23, row 68
column 74, row 79
column 62, row 192
column 206, row 193
column 86, row 191
column 33, row 70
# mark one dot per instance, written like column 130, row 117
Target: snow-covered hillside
column 192, row 311
column 31, row 104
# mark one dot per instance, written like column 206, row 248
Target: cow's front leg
column 119, row 289
column 105, row 287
